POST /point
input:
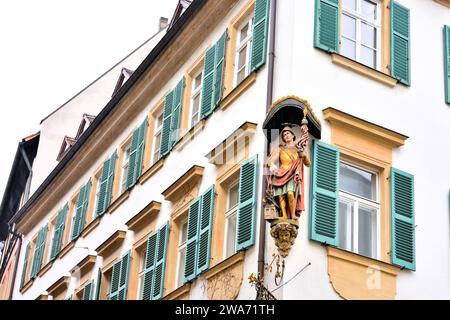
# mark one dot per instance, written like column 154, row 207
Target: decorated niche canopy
column 290, row 110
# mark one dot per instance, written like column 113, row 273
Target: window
column 157, row 137
column 361, row 32
column 182, row 254
column 230, row 220
column 359, row 210
column 243, row 51
column 142, row 267
column 196, row 99
column 125, row 166
column 97, row 192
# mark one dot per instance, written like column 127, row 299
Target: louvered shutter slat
column 325, row 194
column 447, row 63
column 115, row 277
column 124, row 271
column 110, row 183
column 132, row 161
column 59, row 231
column 260, row 33
column 326, row 26
column 208, row 83
column 403, row 227
column 103, row 189
column 160, row 263
column 246, row 215
column 150, row 259
column 167, row 123
column 176, row 112
column 219, row 69
column 25, row 264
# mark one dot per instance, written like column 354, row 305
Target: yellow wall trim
column 443, row 2
column 393, row 138
column 225, row 279
column 357, row 277
column 66, row 249
column 353, row 65
column 111, row 243
column 118, row 201
column 236, row 92
column 142, row 217
column 59, row 286
column 182, row 293
column 91, row 226
column 45, row 268
column 150, row 171
column 189, row 178
column 84, row 265
column 42, row 297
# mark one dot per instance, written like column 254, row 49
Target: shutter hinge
column 388, row 66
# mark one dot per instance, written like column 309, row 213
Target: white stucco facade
column 418, row 111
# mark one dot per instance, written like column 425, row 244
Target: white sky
column 51, row 49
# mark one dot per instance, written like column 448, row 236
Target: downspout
column 262, row 225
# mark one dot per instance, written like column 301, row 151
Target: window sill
column 91, row 226
column 357, row 277
column 45, row 268
column 445, row 3
column 118, row 201
column 236, row 92
column 150, row 171
column 180, row 293
column 66, row 249
column 190, row 135
column 363, row 70
column 27, row 286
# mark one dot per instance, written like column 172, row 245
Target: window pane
column 348, row 48
column 182, row 257
column 231, row 235
column 346, row 224
column 368, row 9
column 368, row 57
column 367, row 231
column 183, row 237
column 242, row 57
column 241, row 75
column 357, row 181
column 349, row 4
column 233, row 196
column 348, row 27
column 244, row 32
column 368, row 35
column 198, row 81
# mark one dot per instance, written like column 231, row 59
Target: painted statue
column 285, row 163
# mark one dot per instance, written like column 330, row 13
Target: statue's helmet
column 287, row 128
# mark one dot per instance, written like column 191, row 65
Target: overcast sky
column 51, row 49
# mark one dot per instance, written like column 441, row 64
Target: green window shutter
column 59, row 231
column 123, row 283
column 208, row 82
column 219, row 67
column 99, row 285
column 106, row 184
column 191, row 242
column 160, row 262
column 400, row 43
column 25, row 264
column 115, row 279
column 325, row 194
column 205, row 229
column 447, row 63
column 150, row 255
column 136, row 154
column 326, row 25
column 246, row 215
column 109, row 184
column 81, row 208
column 260, row 33
column 87, row 291
column 178, row 93
column 70, row 297
column 167, row 123
column 39, row 251
column 403, row 227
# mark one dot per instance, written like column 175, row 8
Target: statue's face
column 288, row 136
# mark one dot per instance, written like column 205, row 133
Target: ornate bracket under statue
column 285, row 191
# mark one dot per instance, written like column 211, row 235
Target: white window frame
column 181, row 246
column 228, row 214
column 240, row 44
column 141, row 271
column 196, row 92
column 373, row 204
column 97, row 192
column 377, row 24
column 158, row 131
column 125, row 163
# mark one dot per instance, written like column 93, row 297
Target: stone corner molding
column 357, row 277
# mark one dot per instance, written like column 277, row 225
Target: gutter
column 262, row 225
column 172, row 33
